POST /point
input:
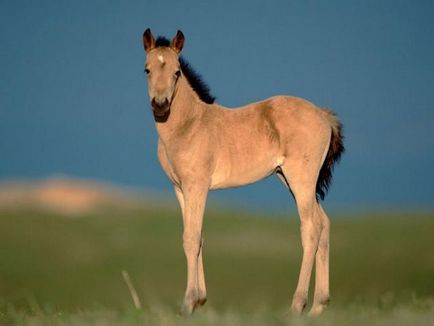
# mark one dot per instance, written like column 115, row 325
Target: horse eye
column 147, row 71
column 178, row 73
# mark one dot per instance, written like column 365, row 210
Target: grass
column 57, row 270
column 352, row 315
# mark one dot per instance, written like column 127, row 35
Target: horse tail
column 334, row 153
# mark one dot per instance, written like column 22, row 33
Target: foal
column 203, row 146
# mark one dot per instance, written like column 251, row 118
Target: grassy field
column 60, row 270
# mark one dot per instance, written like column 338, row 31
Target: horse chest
column 185, row 164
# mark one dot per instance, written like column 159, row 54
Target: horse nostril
column 160, row 103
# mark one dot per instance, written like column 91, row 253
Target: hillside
column 71, row 196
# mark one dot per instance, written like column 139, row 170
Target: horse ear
column 148, row 40
column 178, row 42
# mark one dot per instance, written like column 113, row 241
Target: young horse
column 203, row 146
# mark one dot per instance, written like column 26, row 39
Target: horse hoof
column 201, row 301
column 298, row 304
column 186, row 310
column 320, row 303
column 189, row 306
column 316, row 310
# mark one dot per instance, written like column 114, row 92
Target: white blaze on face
column 161, row 59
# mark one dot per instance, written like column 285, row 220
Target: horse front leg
column 192, row 201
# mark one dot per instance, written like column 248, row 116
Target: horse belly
column 243, row 173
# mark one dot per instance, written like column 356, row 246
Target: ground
column 68, row 270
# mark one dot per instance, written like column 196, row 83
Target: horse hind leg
column 322, row 290
column 201, row 278
column 301, row 179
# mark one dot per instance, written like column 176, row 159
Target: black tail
column 336, row 149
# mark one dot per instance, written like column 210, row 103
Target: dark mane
column 162, row 42
column 194, row 79
column 196, row 82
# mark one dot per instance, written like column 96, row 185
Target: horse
column 204, row 146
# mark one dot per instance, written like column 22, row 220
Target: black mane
column 196, row 82
column 162, row 42
column 194, row 79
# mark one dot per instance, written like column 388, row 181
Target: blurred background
column 74, row 98
column 82, row 195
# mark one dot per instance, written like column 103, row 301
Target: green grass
column 68, row 270
column 415, row 314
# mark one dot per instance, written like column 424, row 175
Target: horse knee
column 325, row 231
column 310, row 232
column 191, row 244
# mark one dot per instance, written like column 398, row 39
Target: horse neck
column 186, row 109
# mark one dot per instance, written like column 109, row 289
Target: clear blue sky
column 73, row 94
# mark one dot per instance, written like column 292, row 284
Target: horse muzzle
column 160, row 106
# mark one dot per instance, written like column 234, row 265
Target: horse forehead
column 163, row 56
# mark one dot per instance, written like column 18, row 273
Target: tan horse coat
column 206, row 146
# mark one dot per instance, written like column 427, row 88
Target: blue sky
column 73, row 94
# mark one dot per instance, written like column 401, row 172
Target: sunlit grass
column 417, row 313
